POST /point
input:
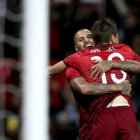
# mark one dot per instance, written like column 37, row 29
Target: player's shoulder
column 73, row 55
column 85, row 51
column 121, row 45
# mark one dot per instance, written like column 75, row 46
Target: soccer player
column 83, row 38
column 111, row 116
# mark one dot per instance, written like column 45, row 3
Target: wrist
column 117, row 87
column 121, row 87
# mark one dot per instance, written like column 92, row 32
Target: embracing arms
column 100, row 67
column 103, row 66
column 80, row 85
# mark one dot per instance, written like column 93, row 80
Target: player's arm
column 128, row 66
column 62, row 65
column 80, row 85
column 56, row 69
column 103, row 66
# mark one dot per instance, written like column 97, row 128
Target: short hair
column 102, row 30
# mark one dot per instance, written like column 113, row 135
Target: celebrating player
column 110, row 115
column 84, row 38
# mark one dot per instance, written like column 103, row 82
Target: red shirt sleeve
column 71, row 73
column 132, row 55
column 71, row 60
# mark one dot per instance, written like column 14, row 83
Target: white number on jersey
column 113, row 76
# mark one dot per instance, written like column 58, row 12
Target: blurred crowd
column 66, row 17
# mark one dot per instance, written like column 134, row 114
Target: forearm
column 100, row 89
column 128, row 66
column 81, row 86
column 56, row 69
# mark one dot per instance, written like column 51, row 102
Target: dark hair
column 102, row 30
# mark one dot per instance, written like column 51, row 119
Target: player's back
column 83, row 61
column 106, row 52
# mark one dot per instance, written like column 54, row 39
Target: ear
column 76, row 48
column 112, row 39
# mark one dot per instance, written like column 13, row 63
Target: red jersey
column 82, row 101
column 82, row 61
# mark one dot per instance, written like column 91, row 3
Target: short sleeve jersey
column 83, row 60
column 82, row 101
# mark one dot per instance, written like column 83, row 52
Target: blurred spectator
column 12, row 126
column 10, row 96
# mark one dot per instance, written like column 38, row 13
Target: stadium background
column 66, row 17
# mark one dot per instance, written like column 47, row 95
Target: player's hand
column 98, row 69
column 126, row 88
